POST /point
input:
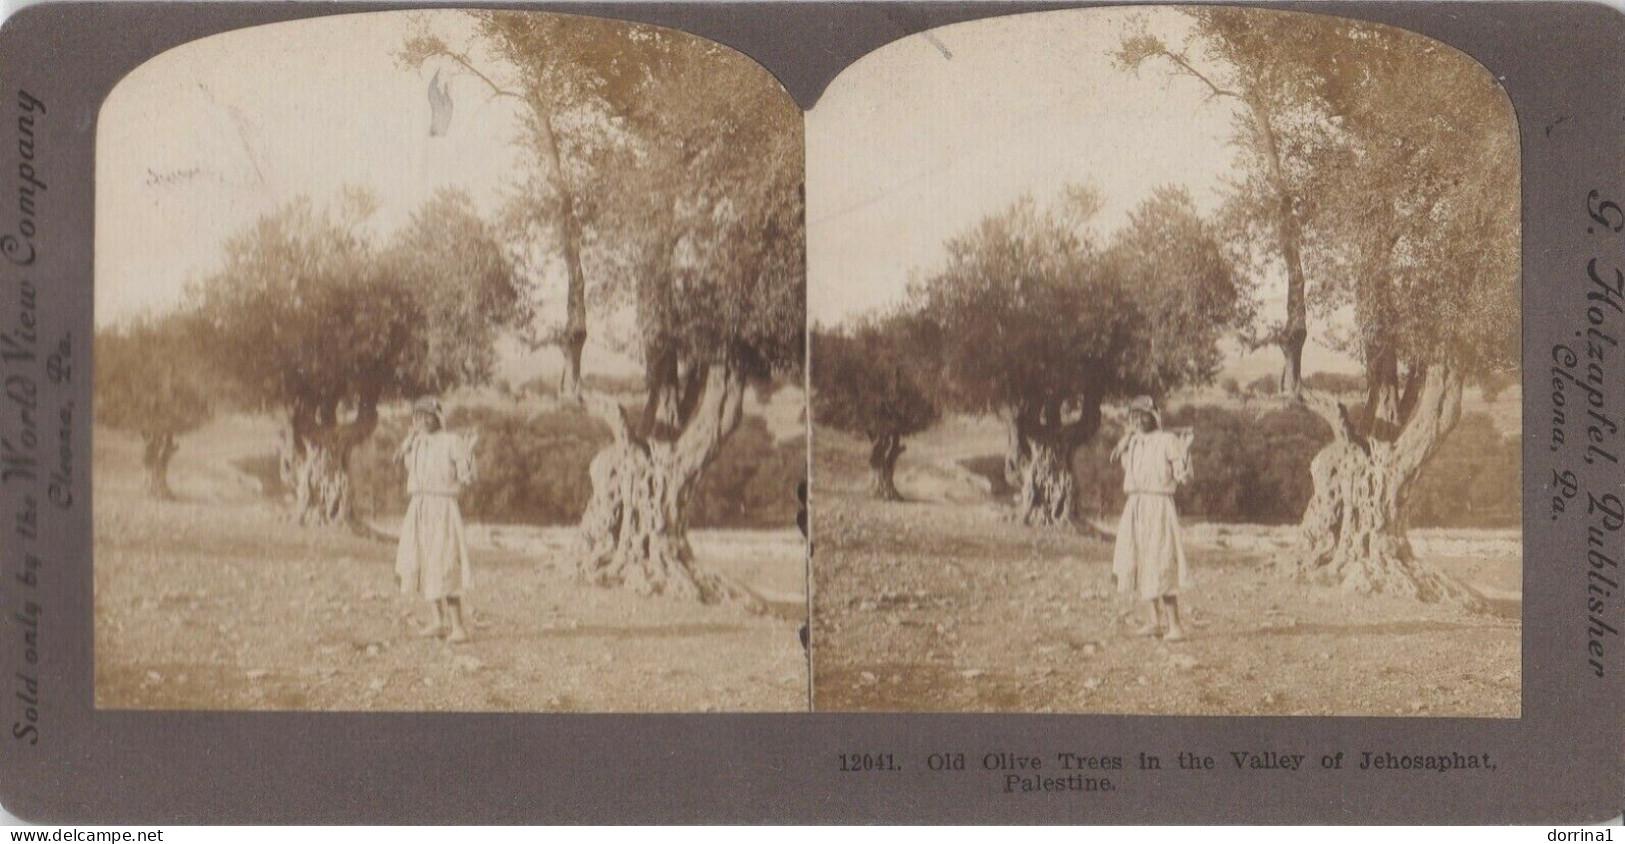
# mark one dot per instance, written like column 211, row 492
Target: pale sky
column 917, row 141
column 191, row 149
column 906, row 148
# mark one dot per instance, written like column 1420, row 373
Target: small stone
column 377, row 684
column 1141, row 680
column 372, row 650
column 258, row 673
column 155, row 677
column 868, row 678
column 972, row 673
column 1091, row 683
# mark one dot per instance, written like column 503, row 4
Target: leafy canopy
column 150, row 379
column 307, row 312
column 867, row 381
column 1029, row 311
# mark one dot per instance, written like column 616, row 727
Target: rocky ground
column 939, row 604
column 217, row 602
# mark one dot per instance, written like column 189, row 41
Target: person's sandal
column 431, row 631
column 1149, row 631
column 458, row 637
column 1175, row 634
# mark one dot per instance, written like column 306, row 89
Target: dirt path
column 216, row 602
column 946, row 607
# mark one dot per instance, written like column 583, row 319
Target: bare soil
column 218, row 602
column 941, row 604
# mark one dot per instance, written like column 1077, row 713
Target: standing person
column 1149, row 560
column 432, row 559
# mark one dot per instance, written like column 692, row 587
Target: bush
column 1473, row 481
column 752, row 483
column 1335, row 382
column 534, row 470
column 1254, row 468
column 1247, row 467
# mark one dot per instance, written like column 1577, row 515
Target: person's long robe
column 1149, row 560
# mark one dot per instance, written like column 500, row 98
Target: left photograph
column 455, row 365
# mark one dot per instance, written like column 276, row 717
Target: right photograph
column 1166, row 361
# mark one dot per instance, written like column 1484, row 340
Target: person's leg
column 1176, row 631
column 459, row 632
column 1153, row 621
column 436, row 627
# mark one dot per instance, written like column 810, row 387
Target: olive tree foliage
column 309, row 316
column 1387, row 171
column 1252, row 66
column 571, row 80
column 1031, row 318
column 151, row 381
column 1423, row 179
column 867, row 380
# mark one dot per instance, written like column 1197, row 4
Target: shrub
column 534, row 470
column 1338, row 383
column 1253, row 467
column 1473, row 481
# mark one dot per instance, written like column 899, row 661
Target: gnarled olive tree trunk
column 155, row 456
column 635, row 528
column 315, row 460
column 883, row 454
column 1047, row 491
column 1353, row 531
column 1039, row 463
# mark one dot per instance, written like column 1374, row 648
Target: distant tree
column 1263, row 385
column 1252, row 64
column 307, row 316
column 572, row 78
column 865, row 382
column 151, row 381
column 1031, row 319
column 1231, row 387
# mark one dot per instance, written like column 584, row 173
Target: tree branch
column 468, row 65
column 1190, row 70
column 1438, row 408
column 1335, row 414
column 613, row 414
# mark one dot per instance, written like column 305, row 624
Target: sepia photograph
column 1165, row 361
column 450, row 360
